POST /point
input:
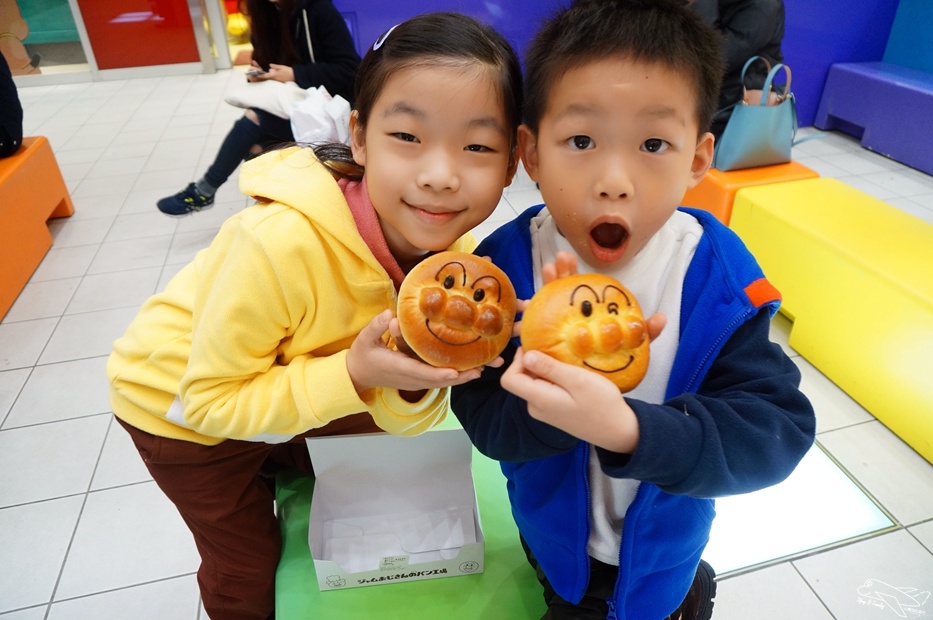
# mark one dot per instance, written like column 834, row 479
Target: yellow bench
column 716, row 191
column 857, row 279
column 32, row 190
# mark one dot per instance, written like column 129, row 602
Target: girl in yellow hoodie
column 277, row 331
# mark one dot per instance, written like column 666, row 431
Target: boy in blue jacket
column 612, row 493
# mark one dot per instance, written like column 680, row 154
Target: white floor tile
column 27, row 474
column 901, row 183
column 120, row 463
column 834, row 409
column 172, row 599
column 11, row 383
column 817, row 506
column 522, row 199
column 40, row 300
column 22, row 343
column 33, row 613
column 127, row 536
column 97, row 207
column 186, row 244
column 65, row 262
column 34, row 538
column 924, row 533
column 66, row 232
column 61, row 391
column 776, row 593
column 130, row 254
column 889, row 469
column 118, row 289
column 140, row 225
column 79, row 336
column 889, row 576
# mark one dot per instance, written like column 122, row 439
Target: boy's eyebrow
column 661, row 111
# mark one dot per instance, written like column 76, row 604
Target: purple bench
column 888, row 106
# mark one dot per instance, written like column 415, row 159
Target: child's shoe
column 187, row 201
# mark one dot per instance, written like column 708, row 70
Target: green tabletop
column 507, row 588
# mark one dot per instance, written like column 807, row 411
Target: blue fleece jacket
column 733, row 421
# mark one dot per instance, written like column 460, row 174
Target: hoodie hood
column 293, row 177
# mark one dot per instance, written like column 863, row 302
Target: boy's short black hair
column 653, row 31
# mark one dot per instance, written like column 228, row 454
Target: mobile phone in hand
column 254, row 72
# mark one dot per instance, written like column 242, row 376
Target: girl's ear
column 702, row 159
column 357, row 139
column 528, row 150
column 513, row 166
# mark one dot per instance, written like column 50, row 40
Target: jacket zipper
column 723, row 335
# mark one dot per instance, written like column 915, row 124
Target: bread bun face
column 456, row 310
column 591, row 321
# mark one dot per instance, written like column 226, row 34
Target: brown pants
column 225, row 498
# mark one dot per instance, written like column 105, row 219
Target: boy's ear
column 702, row 158
column 528, row 150
column 357, row 139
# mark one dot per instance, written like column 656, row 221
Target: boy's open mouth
column 609, row 236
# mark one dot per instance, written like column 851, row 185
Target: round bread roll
column 591, row 321
column 456, row 310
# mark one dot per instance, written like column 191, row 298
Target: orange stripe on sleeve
column 761, row 292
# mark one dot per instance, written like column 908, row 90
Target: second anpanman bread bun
column 456, row 310
column 592, row 321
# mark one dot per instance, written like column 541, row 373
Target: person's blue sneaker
column 185, row 202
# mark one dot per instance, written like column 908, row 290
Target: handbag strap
column 748, row 63
column 766, row 89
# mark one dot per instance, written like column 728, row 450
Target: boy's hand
column 565, row 264
column 575, row 400
column 371, row 363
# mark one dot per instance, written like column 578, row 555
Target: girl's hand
column 575, row 400
column 279, row 73
column 371, row 364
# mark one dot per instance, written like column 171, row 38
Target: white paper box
column 387, row 509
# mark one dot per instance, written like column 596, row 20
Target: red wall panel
column 139, row 33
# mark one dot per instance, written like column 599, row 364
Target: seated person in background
column 301, row 41
column 749, row 28
column 11, row 121
column 611, row 492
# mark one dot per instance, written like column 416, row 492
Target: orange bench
column 716, row 192
column 32, row 190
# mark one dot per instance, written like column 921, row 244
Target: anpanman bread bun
column 456, row 310
column 591, row 321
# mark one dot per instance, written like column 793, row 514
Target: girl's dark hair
column 440, row 39
column 653, row 31
column 270, row 36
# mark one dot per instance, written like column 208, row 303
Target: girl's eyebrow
column 402, row 107
column 488, row 121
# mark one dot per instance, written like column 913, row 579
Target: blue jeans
column 245, row 134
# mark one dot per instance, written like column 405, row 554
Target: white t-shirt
column 663, row 260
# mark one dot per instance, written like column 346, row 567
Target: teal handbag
column 760, row 134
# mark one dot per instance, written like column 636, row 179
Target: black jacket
column 11, row 112
column 749, row 28
column 335, row 57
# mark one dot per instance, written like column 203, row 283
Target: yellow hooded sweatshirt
column 249, row 341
